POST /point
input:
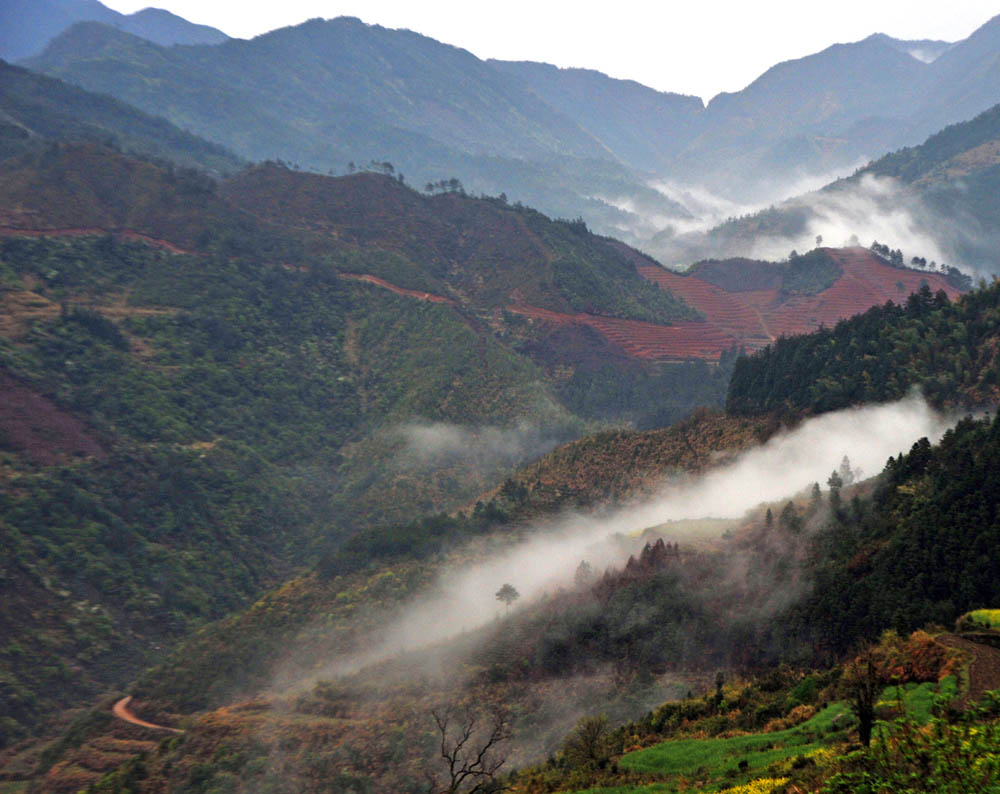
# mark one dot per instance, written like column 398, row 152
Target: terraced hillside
column 755, row 317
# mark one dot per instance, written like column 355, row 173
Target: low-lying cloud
column 436, row 445
column 860, row 211
column 464, row 598
column 873, row 208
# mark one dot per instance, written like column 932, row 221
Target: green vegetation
column 919, row 552
column 981, row 618
column 918, row 700
column 956, row 754
column 948, row 350
column 810, row 273
column 326, row 94
column 186, row 429
column 916, row 162
column 595, row 276
column 38, row 109
column 802, row 274
column 688, row 756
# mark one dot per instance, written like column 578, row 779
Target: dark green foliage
column 325, row 93
column 802, row 274
column 225, row 433
column 810, row 273
column 597, row 277
column 146, row 545
column 921, row 553
column 948, row 350
column 420, row 539
column 648, row 396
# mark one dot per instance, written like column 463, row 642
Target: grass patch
column 717, row 757
column 918, row 699
column 761, row 786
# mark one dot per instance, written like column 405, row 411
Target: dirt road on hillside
column 122, row 712
column 984, row 670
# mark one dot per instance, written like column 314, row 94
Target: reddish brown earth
column 761, row 316
column 644, row 340
column 637, row 339
column 749, row 318
column 121, row 711
column 32, row 424
column 411, row 293
column 984, row 669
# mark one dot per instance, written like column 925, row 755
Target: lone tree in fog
column 508, row 594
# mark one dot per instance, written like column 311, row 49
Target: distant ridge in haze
column 30, row 24
column 36, row 110
column 572, row 142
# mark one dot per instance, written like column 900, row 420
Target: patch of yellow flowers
column 986, row 617
column 764, row 785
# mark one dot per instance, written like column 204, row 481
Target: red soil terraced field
column 645, row 340
column 761, row 316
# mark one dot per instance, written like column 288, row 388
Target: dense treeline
column 921, row 551
column 948, row 350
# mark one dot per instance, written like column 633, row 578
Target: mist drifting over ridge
column 463, row 598
column 852, row 211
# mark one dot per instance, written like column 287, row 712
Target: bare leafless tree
column 472, row 743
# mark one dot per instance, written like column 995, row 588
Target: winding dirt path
column 122, row 712
column 984, row 670
column 410, row 293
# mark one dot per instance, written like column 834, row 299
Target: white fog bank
column 464, row 598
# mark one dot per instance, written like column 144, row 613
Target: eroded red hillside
column 756, row 317
column 32, row 424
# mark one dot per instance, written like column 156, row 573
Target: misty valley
column 380, row 419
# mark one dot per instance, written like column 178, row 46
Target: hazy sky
column 700, row 47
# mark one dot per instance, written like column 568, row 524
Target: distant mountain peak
column 924, row 50
column 166, row 28
column 41, row 21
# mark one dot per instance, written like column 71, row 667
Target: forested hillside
column 329, row 93
column 38, row 110
column 919, row 552
column 947, row 350
column 313, row 483
column 574, row 143
column 187, row 383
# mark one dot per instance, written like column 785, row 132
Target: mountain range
column 376, row 321
column 569, row 141
column 31, row 24
column 279, row 414
column 939, row 198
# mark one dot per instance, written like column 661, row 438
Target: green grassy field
column 717, row 757
column 918, row 699
column 717, row 761
column 760, row 786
